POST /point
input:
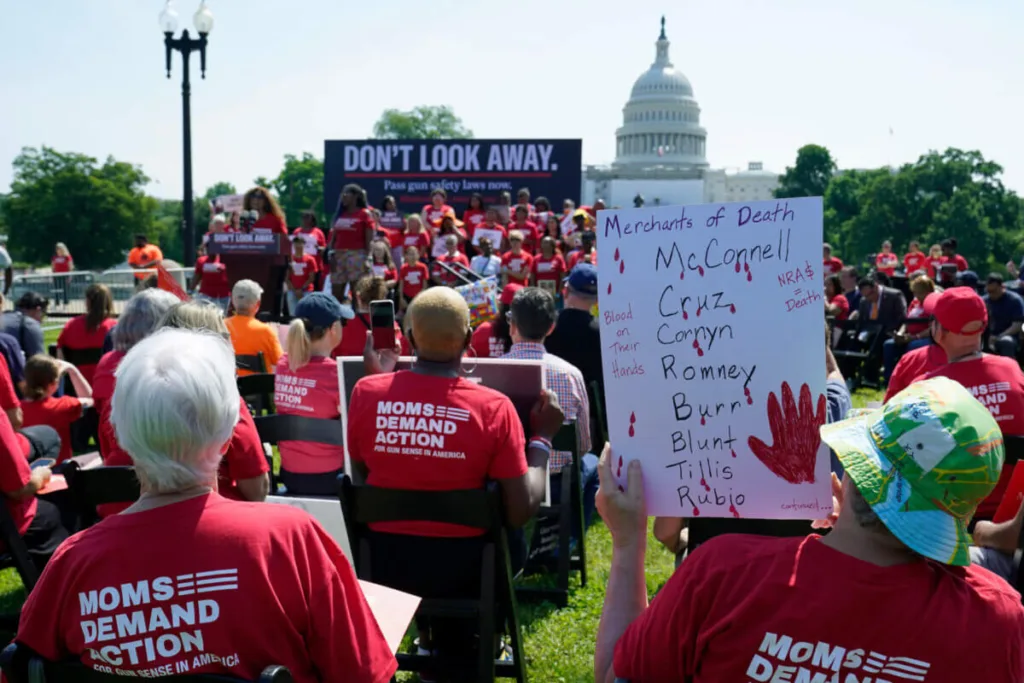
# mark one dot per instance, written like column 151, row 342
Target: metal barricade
column 66, row 291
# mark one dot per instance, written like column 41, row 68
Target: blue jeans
column 891, row 353
column 588, row 485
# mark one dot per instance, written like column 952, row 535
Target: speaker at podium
column 261, row 257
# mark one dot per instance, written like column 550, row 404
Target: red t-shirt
column 484, row 344
column 913, row 262
column 548, row 269
column 749, row 608
column 270, row 223
column 918, row 309
column 531, row 235
column 521, row 262
column 473, row 219
column 58, row 413
column 102, row 392
column 310, row 391
column 446, row 277
column 8, row 396
column 300, row 270
column 933, row 265
column 578, row 256
column 843, row 304
column 434, row 216
column 208, row 586
column 244, row 458
column 384, row 271
column 998, row 382
column 14, row 475
column 212, row 276
column 61, row 264
column 420, row 240
column 350, row 229
column 912, row 365
column 886, row 263
column 960, row 261
column 433, row 434
column 76, row 335
column 312, row 239
column 832, row 266
column 414, row 279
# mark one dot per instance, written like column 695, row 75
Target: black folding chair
column 599, row 435
column 78, row 357
column 252, row 363
column 274, row 429
column 22, row 665
column 16, row 556
column 99, row 486
column 555, row 526
column 481, row 509
column 859, row 352
column 703, row 529
column 258, row 392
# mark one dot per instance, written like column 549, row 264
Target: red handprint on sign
column 795, row 433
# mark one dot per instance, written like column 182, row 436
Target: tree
column 421, row 123
column 811, row 174
column 68, row 197
column 300, row 187
column 168, row 228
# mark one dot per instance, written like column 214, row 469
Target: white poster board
column 227, row 203
column 327, row 511
column 713, row 326
column 494, row 236
column 439, row 249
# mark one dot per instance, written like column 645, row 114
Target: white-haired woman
column 140, row 317
column 196, row 582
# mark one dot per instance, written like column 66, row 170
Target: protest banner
column 713, row 328
column 494, row 236
column 410, row 169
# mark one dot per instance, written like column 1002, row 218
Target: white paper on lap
column 709, row 314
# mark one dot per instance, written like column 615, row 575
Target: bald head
column 439, row 320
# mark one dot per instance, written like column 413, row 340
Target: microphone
column 247, row 218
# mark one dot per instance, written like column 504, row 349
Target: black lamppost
column 203, row 21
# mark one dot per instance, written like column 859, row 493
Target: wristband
column 540, row 444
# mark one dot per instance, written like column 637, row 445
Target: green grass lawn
column 559, row 643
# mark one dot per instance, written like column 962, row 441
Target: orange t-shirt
column 147, row 254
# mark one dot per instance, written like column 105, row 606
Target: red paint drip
column 734, row 511
column 696, row 511
column 746, row 266
column 749, row 279
column 696, row 344
column 732, row 308
column 616, row 257
column 737, row 266
column 620, row 462
column 632, row 419
column 682, row 274
column 703, row 421
column 632, row 432
column 733, row 453
column 686, row 316
column 700, row 269
column 704, row 484
column 700, row 352
column 609, row 288
column 746, row 390
column 698, row 311
column 622, row 266
column 621, row 490
column 750, row 401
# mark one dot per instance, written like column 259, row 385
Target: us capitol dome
column 661, row 148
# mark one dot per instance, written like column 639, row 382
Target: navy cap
column 583, row 279
column 322, row 309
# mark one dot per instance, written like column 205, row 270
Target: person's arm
column 1012, row 331
column 15, row 416
column 831, row 367
column 672, row 533
column 523, row 495
column 245, row 461
column 273, row 352
column 1004, row 536
column 832, row 309
column 254, row 489
column 625, row 597
column 39, row 478
column 82, row 388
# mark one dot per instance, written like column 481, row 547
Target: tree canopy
column 300, row 187
column 68, row 197
column 811, row 174
column 423, row 122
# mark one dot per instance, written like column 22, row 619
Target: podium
column 261, row 257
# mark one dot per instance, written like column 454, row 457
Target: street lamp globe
column 203, row 19
column 169, row 18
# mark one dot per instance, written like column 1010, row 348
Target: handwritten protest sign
column 712, row 323
column 494, row 236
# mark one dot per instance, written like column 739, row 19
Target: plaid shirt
column 566, row 381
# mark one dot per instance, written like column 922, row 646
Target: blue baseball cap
column 583, row 279
column 322, row 309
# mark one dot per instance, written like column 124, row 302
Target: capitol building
column 661, row 149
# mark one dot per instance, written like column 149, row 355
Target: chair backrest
column 21, row 665
column 252, row 363
column 100, row 486
column 52, row 350
column 565, row 439
column 364, row 505
column 79, row 357
column 17, row 549
column 703, row 529
column 258, row 391
column 1014, row 446
column 274, row 429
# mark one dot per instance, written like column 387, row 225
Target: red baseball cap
column 508, row 292
column 961, row 311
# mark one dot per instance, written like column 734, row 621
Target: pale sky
column 88, row 76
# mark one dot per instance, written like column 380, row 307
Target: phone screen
column 382, row 322
column 43, row 462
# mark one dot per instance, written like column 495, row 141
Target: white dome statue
column 661, row 121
